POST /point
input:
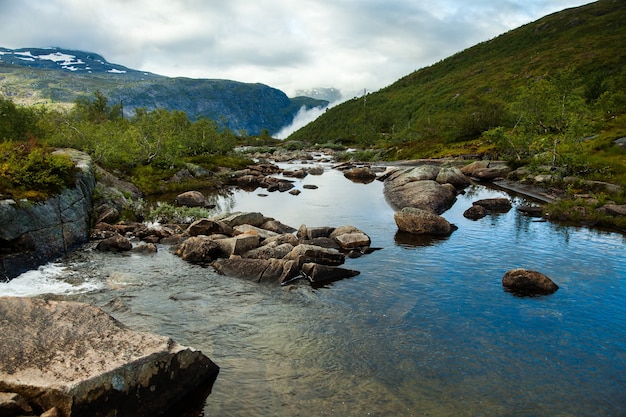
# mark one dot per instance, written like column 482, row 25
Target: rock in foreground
column 526, row 283
column 77, row 358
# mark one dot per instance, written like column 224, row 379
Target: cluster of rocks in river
column 248, row 245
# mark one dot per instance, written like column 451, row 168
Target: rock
column 77, row 358
column 198, row 249
column 285, row 186
column 418, row 221
column 495, row 205
column 269, row 251
column 300, row 173
column 526, row 282
column 490, row 174
column 12, row 404
column 108, row 215
column 251, row 218
column 475, row 212
column 192, row 199
column 470, row 169
column 35, row 233
column 310, row 187
column 423, row 194
column 246, row 228
column 614, row 209
column 237, row 245
column 145, row 248
column 353, row 240
column 280, row 239
column 454, row 176
column 277, row 227
column 309, row 253
column 295, row 192
column 315, row 170
column 361, row 174
column 208, row 227
column 532, row 211
column 259, row 270
column 315, row 232
column 319, row 274
column 53, row 412
column 115, row 243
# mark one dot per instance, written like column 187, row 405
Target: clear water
column 425, row 330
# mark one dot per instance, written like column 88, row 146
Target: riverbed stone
column 277, row 227
column 77, row 358
column 527, row 282
column 422, row 222
column 495, row 205
column 319, row 274
column 258, row 270
column 209, row 227
column 237, row 245
column 198, row 249
column 249, row 229
column 452, row 175
column 475, row 212
column 353, row 240
column 115, row 243
column 239, row 218
column 269, row 251
column 304, row 253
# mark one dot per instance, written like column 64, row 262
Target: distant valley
column 60, row 76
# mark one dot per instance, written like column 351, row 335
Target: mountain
column 461, row 97
column 60, row 76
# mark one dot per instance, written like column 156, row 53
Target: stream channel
column 426, row 329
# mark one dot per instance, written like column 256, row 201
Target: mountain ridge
column 443, row 103
column 61, row 76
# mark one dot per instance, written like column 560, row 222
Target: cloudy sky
column 291, row 45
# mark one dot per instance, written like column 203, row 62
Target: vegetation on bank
column 146, row 149
column 552, row 92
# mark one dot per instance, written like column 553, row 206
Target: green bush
column 32, row 171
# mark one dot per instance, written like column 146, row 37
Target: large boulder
column 115, row 243
column 422, row 222
column 495, row 205
column 77, row 358
column 198, row 249
column 320, row 274
column 423, row 194
column 209, row 227
column 526, row 282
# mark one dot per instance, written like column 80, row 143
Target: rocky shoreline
column 245, row 245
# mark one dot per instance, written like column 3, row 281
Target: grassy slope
column 421, row 114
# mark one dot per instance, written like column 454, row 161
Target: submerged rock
column 526, row 282
column 77, row 358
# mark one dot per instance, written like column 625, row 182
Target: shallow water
column 425, row 329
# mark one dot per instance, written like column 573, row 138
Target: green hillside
column 540, row 88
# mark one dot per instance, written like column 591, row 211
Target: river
column 426, row 329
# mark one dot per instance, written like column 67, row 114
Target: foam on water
column 51, row 278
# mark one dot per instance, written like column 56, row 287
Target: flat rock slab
column 77, row 358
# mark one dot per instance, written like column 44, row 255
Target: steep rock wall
column 32, row 234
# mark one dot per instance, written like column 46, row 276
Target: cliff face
column 32, row 234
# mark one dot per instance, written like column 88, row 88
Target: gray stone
column 353, row 240
column 258, row 270
column 77, row 358
column 454, row 176
column 246, row 228
column 424, row 194
column 475, row 212
column 269, row 251
column 310, row 253
column 251, row 218
column 422, row 222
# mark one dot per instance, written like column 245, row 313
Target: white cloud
column 347, row 44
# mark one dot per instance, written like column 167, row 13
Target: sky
column 292, row 45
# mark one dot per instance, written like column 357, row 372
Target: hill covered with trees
column 552, row 91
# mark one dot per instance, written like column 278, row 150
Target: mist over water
column 301, row 119
column 425, row 329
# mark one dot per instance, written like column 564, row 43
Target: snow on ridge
column 116, row 71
